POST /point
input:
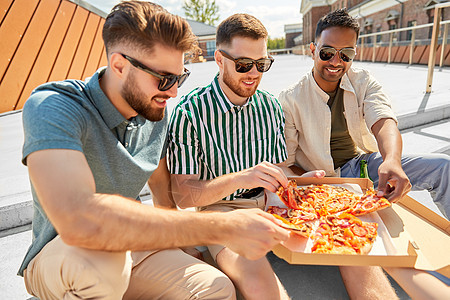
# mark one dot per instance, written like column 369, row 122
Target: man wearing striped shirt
column 225, row 141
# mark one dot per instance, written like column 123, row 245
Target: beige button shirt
column 308, row 118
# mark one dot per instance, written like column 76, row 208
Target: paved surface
column 424, row 119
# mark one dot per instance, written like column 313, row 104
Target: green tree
column 276, row 43
column 205, row 11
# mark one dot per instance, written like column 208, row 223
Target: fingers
column 382, row 184
column 399, row 190
column 281, row 233
column 272, row 174
column 392, row 193
column 315, row 174
column 255, row 233
column 277, row 173
column 268, row 182
column 393, row 185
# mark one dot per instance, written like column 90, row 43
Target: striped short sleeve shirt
column 210, row 136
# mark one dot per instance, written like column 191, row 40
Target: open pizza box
column 409, row 235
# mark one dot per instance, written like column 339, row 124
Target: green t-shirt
column 342, row 146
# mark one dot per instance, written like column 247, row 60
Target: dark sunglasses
column 244, row 64
column 166, row 81
column 346, row 54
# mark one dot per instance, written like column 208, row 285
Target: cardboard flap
column 426, row 213
column 429, row 235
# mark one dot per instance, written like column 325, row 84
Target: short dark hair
column 143, row 24
column 243, row 25
column 337, row 18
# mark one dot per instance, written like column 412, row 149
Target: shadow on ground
column 315, row 282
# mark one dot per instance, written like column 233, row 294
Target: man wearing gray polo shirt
column 91, row 145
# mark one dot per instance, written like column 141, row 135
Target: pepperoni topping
column 359, row 230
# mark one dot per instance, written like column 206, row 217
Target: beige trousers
column 226, row 206
column 61, row 271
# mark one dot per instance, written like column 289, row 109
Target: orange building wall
column 45, row 40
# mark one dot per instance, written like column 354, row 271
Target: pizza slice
column 339, row 199
column 288, row 195
column 303, row 229
column 324, row 199
column 344, row 234
column 368, row 203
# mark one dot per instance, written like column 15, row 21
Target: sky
column 274, row 17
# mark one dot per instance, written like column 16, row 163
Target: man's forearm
column 114, row 223
column 388, row 138
column 195, row 193
column 159, row 183
column 162, row 193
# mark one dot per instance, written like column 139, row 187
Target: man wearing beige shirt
column 338, row 117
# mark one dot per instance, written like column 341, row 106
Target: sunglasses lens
column 182, row 79
column 263, row 65
column 326, row 53
column 243, row 65
column 347, row 54
column 167, row 82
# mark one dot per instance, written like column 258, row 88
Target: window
column 369, row 38
column 409, row 32
column 210, row 48
column 378, row 36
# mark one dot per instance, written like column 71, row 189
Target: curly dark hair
column 337, row 18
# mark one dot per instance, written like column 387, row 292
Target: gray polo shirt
column 77, row 115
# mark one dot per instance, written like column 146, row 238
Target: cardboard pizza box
column 421, row 238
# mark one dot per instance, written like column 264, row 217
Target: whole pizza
column 327, row 215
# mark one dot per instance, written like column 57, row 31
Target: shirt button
column 126, row 144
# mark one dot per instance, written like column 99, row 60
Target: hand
column 393, row 182
column 265, row 174
column 192, row 251
column 251, row 233
column 315, row 174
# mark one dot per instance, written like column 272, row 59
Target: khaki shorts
column 230, row 205
column 61, row 271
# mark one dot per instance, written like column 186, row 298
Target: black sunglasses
column 166, row 81
column 346, row 54
column 244, row 64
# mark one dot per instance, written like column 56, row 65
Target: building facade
column 375, row 16
column 293, row 34
column 206, row 38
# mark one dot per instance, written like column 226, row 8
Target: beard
column 139, row 101
column 234, row 85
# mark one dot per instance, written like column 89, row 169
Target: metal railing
column 280, row 51
column 412, row 41
column 433, row 44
